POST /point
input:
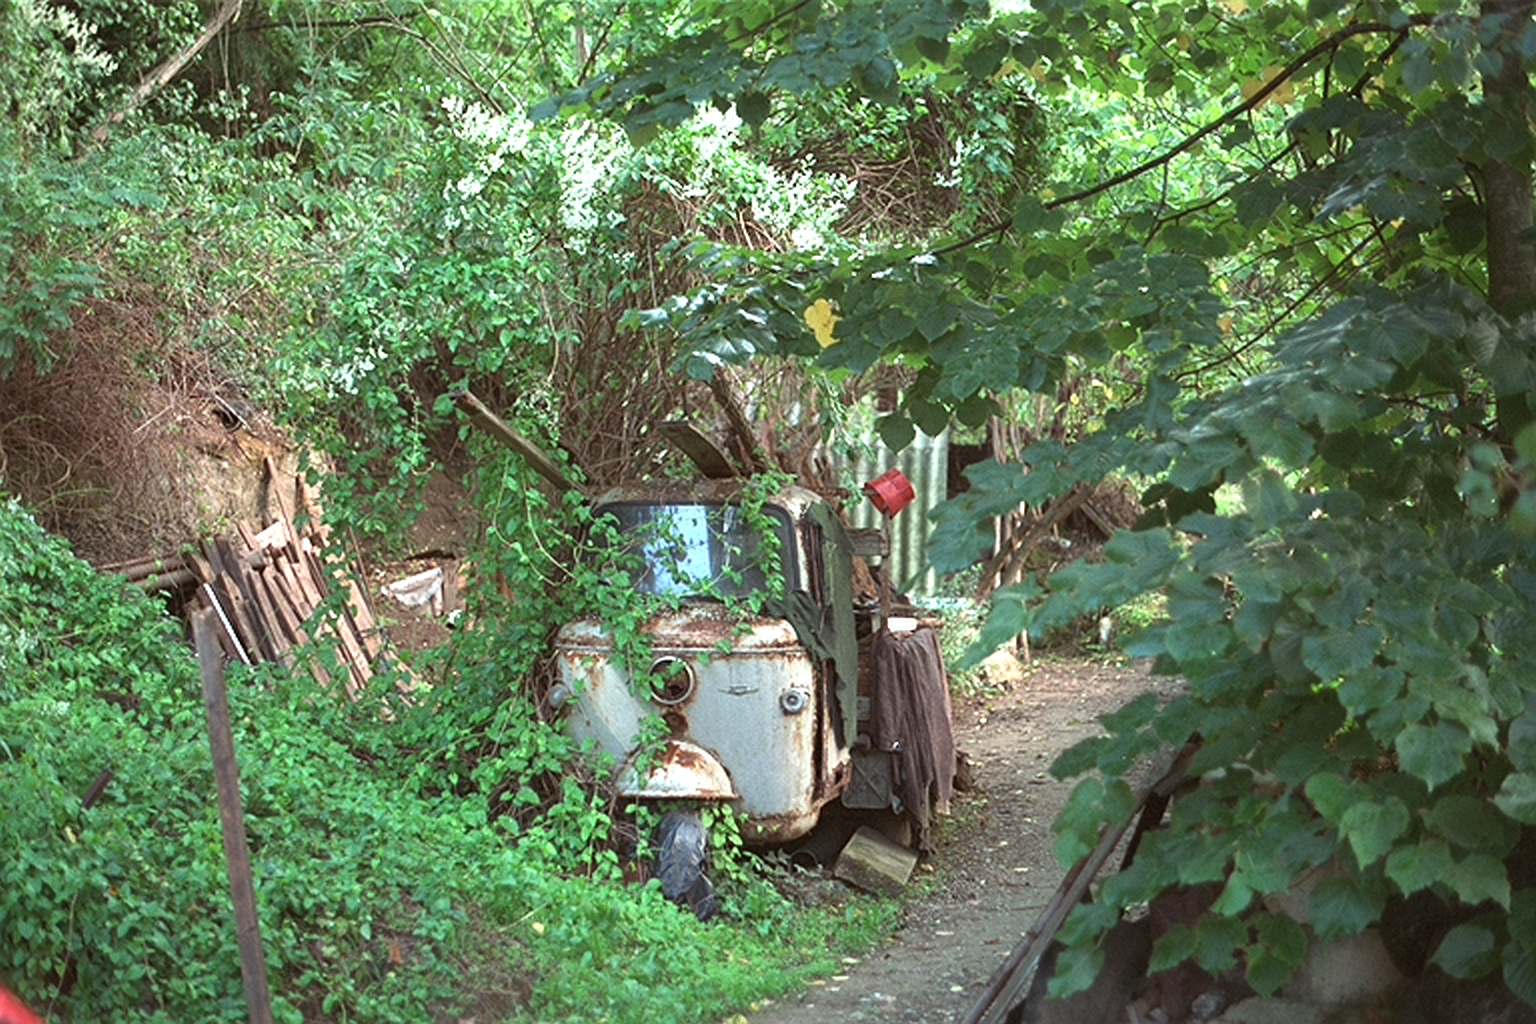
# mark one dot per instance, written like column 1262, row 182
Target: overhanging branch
column 160, row 76
column 1263, row 93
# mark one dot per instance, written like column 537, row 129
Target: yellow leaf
column 1225, row 323
column 822, row 319
column 1235, row 6
column 1285, row 92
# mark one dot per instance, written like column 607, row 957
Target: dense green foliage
column 388, row 884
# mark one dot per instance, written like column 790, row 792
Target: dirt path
column 994, row 871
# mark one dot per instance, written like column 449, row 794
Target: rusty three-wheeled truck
column 823, row 697
column 778, row 714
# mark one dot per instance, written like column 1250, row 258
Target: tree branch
column 1190, row 141
column 157, row 79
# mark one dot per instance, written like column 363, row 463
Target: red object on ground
column 13, row 1011
column 891, row 492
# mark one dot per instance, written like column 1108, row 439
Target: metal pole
column 253, row 965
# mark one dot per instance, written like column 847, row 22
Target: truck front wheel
column 682, row 853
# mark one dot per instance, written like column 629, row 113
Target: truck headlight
column 674, row 680
column 794, row 701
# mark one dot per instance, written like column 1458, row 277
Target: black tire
column 682, row 853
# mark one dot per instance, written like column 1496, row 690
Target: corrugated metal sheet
column 925, row 462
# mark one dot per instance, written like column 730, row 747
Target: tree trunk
column 1507, row 190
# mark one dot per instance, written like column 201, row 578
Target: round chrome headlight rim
column 674, row 680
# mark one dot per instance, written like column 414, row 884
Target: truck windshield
column 700, row 550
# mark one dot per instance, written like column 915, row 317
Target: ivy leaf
column 1469, row 822
column 1520, row 968
column 1340, row 907
column 1133, row 716
column 936, row 50
column 1031, row 216
column 1434, row 753
column 753, row 107
column 1217, row 941
column 1412, row 868
column 1282, row 945
column 1172, row 949
column 1008, row 617
column 1076, row 968
column 1480, row 877
column 1078, row 823
column 1371, row 828
column 1517, row 797
column 880, row 80
column 1331, row 795
column 896, row 431
column 1522, row 737
column 983, row 60
column 1342, row 653
column 1467, row 951
column 976, row 410
column 935, row 318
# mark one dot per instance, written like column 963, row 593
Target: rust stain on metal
column 682, row 757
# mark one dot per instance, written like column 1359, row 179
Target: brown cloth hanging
column 911, row 718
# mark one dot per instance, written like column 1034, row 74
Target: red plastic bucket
column 891, row 492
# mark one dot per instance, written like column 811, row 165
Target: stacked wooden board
column 264, row 588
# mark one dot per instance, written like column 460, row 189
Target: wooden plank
column 211, row 552
column 296, row 571
column 243, row 610
column 358, row 613
column 272, row 537
column 701, row 451
column 247, row 535
column 147, row 565
column 248, row 604
column 277, row 492
column 309, row 502
column 226, row 640
column 217, row 605
column 284, row 511
column 277, row 637
column 293, row 621
column 282, row 608
column 481, row 415
column 351, row 649
column 201, row 566
column 237, row 853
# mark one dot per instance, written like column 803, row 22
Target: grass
column 623, row 954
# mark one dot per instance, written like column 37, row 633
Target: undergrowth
column 402, row 860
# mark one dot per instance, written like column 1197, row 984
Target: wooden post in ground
column 253, row 964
